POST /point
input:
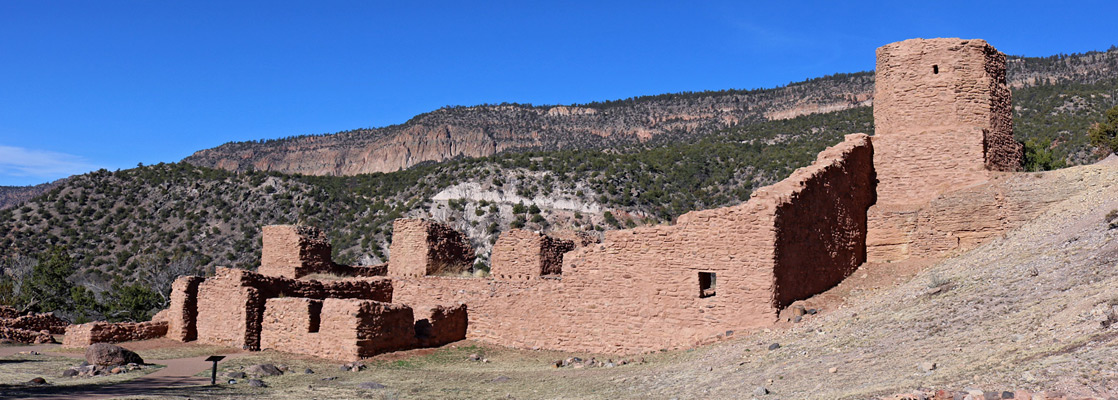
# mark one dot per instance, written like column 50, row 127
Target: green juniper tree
column 1105, row 134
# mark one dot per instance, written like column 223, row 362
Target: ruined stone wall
column 525, row 255
column 639, row 290
column 961, row 220
column 438, row 325
column 408, row 250
column 231, row 304
column 25, row 336
column 942, row 116
column 183, row 310
column 36, row 322
column 294, row 251
column 292, row 324
column 943, row 122
column 421, row 247
column 112, row 332
column 355, row 329
column 8, row 312
column 821, row 229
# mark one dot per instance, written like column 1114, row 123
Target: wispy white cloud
column 18, row 162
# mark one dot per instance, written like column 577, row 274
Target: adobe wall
column 109, row 332
column 525, row 255
column 943, row 123
column 639, row 290
column 942, row 117
column 821, row 230
column 961, row 220
column 231, row 304
column 422, row 247
column 346, row 329
column 183, row 310
column 440, row 324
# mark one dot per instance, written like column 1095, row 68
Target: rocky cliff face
column 486, row 130
column 480, row 131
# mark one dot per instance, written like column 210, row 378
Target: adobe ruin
column 943, row 128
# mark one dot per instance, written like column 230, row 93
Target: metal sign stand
column 213, row 374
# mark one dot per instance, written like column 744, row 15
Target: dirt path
column 178, row 372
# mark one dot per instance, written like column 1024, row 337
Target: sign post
column 213, row 374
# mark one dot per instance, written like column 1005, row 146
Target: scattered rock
column 260, row 370
column 37, row 381
column 70, row 373
column 370, row 385
column 928, row 366
column 760, row 391
column 353, row 366
column 257, row 383
column 774, row 346
column 797, row 319
column 235, row 375
column 475, row 357
column 798, row 310
column 308, row 371
column 833, row 370
column 329, row 378
column 110, row 354
column 232, row 382
column 812, row 311
column 116, row 370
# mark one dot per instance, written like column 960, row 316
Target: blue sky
column 109, row 84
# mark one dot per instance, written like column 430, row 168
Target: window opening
column 935, row 69
column 707, row 281
column 315, row 311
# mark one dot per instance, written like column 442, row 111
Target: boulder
column 110, row 354
column 260, row 370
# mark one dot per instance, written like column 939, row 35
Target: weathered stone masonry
column 944, row 130
column 640, row 289
column 943, row 126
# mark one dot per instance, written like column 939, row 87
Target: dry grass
column 20, row 368
column 445, row 373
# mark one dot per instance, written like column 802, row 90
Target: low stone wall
column 342, row 329
column 231, row 304
column 36, row 322
column 439, row 325
column 25, row 336
column 8, row 312
column 108, row 332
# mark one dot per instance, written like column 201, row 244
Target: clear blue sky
column 92, row 84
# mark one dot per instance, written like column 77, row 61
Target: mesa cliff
column 479, row 131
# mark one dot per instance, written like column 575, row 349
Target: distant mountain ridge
column 485, row 130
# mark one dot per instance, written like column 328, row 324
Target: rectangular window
column 707, row 280
column 315, row 311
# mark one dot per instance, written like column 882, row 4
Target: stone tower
column 942, row 118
